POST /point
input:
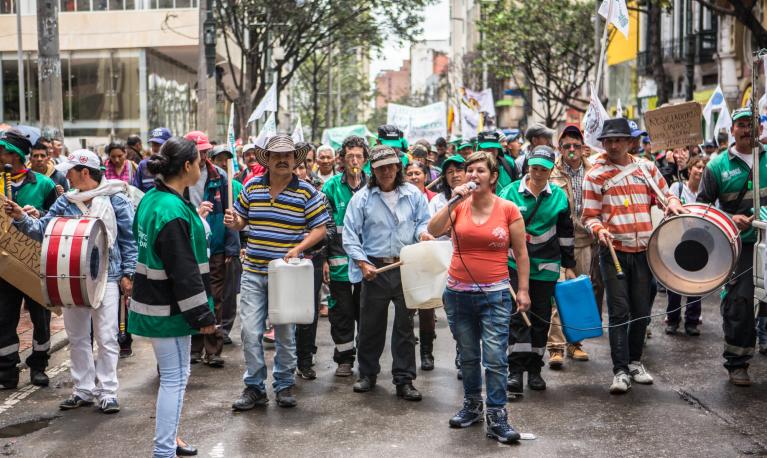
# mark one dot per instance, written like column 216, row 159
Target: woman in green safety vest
column 169, row 301
column 550, row 243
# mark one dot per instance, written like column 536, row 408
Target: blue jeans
column 481, row 319
column 254, row 308
column 761, row 330
column 172, row 355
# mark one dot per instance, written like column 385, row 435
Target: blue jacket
column 143, row 179
column 222, row 239
column 122, row 255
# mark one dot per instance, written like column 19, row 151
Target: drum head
column 690, row 255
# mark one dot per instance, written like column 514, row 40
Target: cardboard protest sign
column 674, row 126
column 20, row 259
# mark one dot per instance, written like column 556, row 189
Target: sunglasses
column 571, row 146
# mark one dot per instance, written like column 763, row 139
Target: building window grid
column 72, row 6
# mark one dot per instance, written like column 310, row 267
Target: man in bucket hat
column 617, row 195
column 285, row 216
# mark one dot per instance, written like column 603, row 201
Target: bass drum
column 694, row 253
column 74, row 262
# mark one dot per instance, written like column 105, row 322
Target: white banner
column 619, row 13
column 593, row 120
column 268, row 103
column 268, row 131
column 298, row 132
column 429, row 122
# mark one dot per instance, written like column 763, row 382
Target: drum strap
column 619, row 177
column 744, row 189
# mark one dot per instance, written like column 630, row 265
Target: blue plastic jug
column 578, row 309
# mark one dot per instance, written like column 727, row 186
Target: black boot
column 427, row 347
column 514, row 383
column 535, row 381
column 9, row 379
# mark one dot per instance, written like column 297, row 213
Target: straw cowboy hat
column 281, row 144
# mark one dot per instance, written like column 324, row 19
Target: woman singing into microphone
column 477, row 298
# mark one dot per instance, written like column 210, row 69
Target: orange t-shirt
column 483, row 247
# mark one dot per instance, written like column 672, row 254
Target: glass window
column 10, row 90
column 130, row 4
column 100, row 5
column 165, row 3
column 89, row 78
column 116, row 5
column 124, row 99
column 6, row 7
column 83, row 5
column 67, row 6
column 183, row 3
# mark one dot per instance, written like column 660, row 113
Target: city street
column 691, row 410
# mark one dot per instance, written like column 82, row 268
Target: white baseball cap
column 80, row 157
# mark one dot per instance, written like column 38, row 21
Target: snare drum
column 694, row 253
column 74, row 262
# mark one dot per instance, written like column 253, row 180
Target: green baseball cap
column 543, row 156
column 741, row 113
column 455, row 159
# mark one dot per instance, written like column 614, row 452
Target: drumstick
column 524, row 315
column 389, row 267
column 8, row 168
column 433, row 183
column 618, row 269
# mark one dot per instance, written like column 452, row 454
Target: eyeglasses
column 571, row 146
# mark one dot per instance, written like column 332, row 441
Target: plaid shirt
column 576, row 178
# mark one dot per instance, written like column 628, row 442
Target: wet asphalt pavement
column 690, row 410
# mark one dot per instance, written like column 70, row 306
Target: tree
column 745, row 12
column 265, row 39
column 545, row 46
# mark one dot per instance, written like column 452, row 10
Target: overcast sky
column 436, row 26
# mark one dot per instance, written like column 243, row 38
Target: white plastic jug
column 291, row 291
column 424, row 273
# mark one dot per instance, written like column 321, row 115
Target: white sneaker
column 639, row 374
column 621, row 383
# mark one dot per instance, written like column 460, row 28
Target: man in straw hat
column 728, row 178
column 285, row 216
column 380, row 219
column 617, row 195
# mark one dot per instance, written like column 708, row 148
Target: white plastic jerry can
column 291, row 291
column 424, row 273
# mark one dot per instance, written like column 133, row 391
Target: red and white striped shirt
column 623, row 207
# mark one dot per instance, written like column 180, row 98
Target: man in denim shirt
column 380, row 219
column 105, row 199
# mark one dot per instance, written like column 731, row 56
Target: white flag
column 231, row 140
column 619, row 15
column 268, row 131
column 469, row 122
column 619, row 110
column 480, row 100
column 724, row 122
column 298, row 132
column 593, row 121
column 268, row 103
column 715, row 103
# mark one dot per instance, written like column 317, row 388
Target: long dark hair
column 175, row 152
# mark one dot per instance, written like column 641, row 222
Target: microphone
column 471, row 185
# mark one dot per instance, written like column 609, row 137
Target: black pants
column 691, row 310
column 213, row 344
column 10, row 313
column 306, row 334
column 528, row 344
column 627, row 299
column 374, row 315
column 229, row 299
column 737, row 310
column 344, row 317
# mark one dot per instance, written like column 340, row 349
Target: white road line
column 23, row 393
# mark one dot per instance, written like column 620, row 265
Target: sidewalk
column 24, row 330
